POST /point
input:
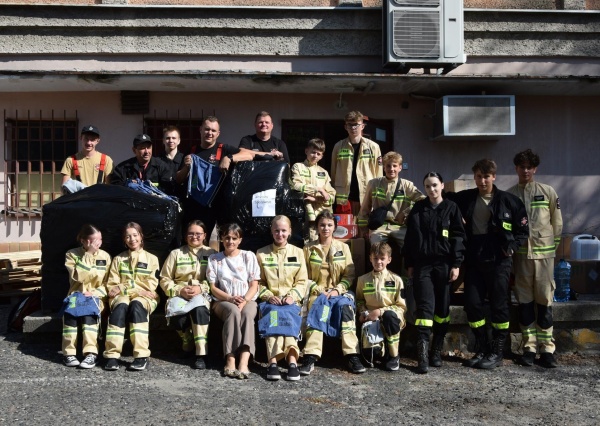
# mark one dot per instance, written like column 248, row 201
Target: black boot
column 494, row 358
column 480, row 347
column 422, row 356
column 435, row 359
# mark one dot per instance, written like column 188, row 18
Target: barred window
column 189, row 131
column 34, row 152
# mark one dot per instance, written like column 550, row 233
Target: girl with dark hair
column 233, row 277
column 433, row 252
column 87, row 266
column 131, row 285
column 184, row 275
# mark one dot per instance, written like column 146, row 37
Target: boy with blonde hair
column 380, row 296
column 314, row 182
column 390, row 190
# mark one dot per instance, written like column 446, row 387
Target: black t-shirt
column 253, row 143
column 210, row 154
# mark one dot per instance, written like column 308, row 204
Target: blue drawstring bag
column 79, row 305
column 279, row 320
column 204, row 181
column 326, row 314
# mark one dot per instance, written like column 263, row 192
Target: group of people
column 488, row 232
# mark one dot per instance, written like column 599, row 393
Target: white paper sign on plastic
column 263, row 203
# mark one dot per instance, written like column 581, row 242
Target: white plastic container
column 585, row 247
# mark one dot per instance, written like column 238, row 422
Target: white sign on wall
column 263, row 203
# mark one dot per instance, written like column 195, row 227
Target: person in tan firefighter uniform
column 433, row 251
column 87, row 266
column 131, row 284
column 283, row 279
column 354, row 162
column 331, row 271
column 380, row 192
column 313, row 181
column 380, row 296
column 184, row 274
column 233, row 277
column 534, row 261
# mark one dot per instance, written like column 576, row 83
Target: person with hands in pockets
column 184, row 274
column 433, row 252
column 283, row 279
column 331, row 271
column 87, row 266
column 131, row 284
column 380, row 297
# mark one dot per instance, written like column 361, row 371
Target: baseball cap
column 141, row 139
column 90, row 129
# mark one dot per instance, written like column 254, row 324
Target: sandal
column 243, row 375
column 230, row 373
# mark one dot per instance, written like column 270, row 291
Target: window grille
column 35, row 148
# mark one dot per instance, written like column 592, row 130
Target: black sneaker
column 527, row 359
column 89, row 361
column 293, row 373
column 355, row 365
column 547, row 360
column 308, row 365
column 199, row 364
column 139, row 364
column 393, row 364
column 273, row 372
column 112, row 364
column 70, row 361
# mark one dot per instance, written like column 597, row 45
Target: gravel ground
column 35, row 388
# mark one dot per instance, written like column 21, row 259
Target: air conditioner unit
column 483, row 117
column 423, row 34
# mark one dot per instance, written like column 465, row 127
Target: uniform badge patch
column 558, row 203
column 100, row 262
column 321, row 174
column 538, row 198
column 338, row 253
column 141, row 265
column 292, row 259
column 524, row 221
column 367, row 151
column 390, row 284
column 379, row 161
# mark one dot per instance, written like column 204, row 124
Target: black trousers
column 432, row 297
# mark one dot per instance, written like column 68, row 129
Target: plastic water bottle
column 562, row 275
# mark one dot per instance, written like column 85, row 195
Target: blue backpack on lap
column 326, row 314
column 78, row 305
column 279, row 320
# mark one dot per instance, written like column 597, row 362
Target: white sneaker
column 70, row 361
column 89, row 361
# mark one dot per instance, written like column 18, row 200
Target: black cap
column 141, row 139
column 90, row 129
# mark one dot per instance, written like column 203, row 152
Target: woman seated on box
column 183, row 279
column 233, row 277
column 282, row 282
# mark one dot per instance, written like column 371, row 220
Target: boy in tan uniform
column 380, row 296
column 354, row 162
column 88, row 166
column 314, row 182
column 533, row 263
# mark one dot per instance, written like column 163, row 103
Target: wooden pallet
column 20, row 273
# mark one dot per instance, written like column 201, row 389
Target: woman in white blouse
column 233, row 277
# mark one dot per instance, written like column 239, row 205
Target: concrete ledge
column 576, row 328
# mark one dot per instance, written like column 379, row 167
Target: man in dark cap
column 144, row 167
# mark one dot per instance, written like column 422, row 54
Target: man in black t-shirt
column 262, row 143
column 208, row 149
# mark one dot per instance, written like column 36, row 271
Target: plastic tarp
column 249, row 178
column 109, row 208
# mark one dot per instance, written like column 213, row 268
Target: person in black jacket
column 144, row 167
column 496, row 224
column 433, row 252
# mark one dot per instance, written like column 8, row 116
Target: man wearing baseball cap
column 88, row 166
column 144, row 167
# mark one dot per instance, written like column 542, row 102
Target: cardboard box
column 344, row 219
column 585, row 276
column 459, row 185
column 345, row 232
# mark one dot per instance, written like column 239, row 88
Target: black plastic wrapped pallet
column 249, row 178
column 110, row 208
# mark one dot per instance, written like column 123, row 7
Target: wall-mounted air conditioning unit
column 483, row 117
column 423, row 34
